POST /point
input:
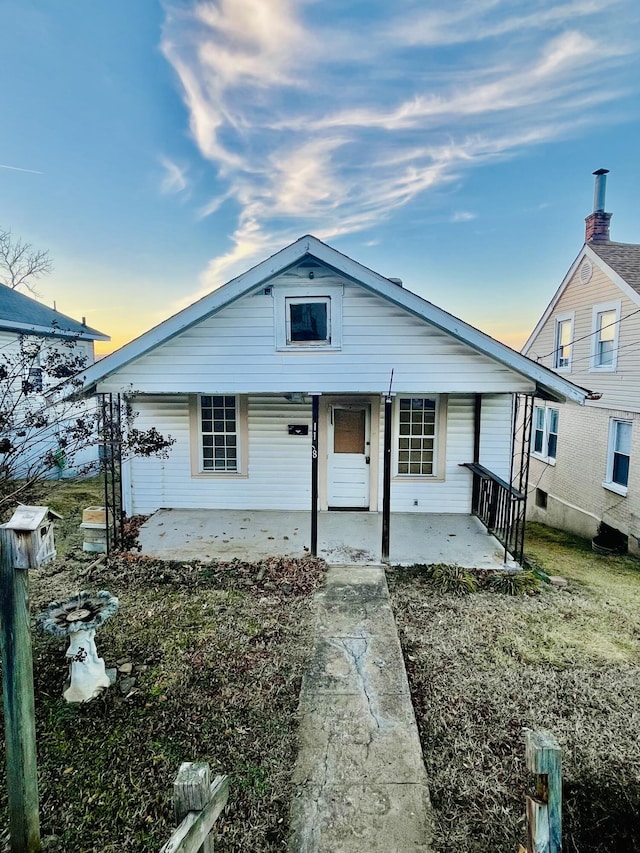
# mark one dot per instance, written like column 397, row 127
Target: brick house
column 585, row 462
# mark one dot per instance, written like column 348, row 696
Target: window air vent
column 586, row 271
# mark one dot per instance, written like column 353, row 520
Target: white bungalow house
column 585, row 462
column 39, row 346
column 313, row 383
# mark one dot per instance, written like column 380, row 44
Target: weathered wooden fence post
column 25, row 542
column 197, row 804
column 544, row 810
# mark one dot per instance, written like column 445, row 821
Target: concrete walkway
column 360, row 781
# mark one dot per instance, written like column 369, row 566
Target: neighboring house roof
column 548, row 383
column 619, row 261
column 623, row 258
column 23, row 315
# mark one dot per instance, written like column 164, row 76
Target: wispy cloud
column 331, row 127
column 174, row 179
column 462, row 216
column 478, row 20
column 19, row 169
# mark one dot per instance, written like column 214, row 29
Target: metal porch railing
column 500, row 507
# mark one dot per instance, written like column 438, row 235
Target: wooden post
column 197, row 805
column 544, row 810
column 191, row 794
column 315, row 410
column 386, row 480
column 17, row 549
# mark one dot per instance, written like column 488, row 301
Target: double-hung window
column 563, row 341
column 618, row 456
column 417, row 427
column 218, row 433
column 604, row 349
column 545, row 433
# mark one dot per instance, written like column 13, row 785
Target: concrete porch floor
column 343, row 537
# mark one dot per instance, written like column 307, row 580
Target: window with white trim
column 618, row 456
column 417, row 428
column 606, row 325
column 563, row 341
column 308, row 316
column 218, row 420
column 545, row 433
column 308, row 320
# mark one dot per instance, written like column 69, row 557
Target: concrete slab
column 352, row 538
column 353, row 819
column 349, row 665
column 361, row 785
column 371, row 739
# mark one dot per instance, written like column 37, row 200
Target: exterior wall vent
column 267, row 291
column 586, row 271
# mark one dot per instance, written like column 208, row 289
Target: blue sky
column 159, row 149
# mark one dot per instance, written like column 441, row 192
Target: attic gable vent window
column 308, row 317
column 308, row 320
column 586, row 271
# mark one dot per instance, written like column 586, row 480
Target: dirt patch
column 485, row 667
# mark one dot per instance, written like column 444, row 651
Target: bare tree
column 20, row 263
column 47, row 428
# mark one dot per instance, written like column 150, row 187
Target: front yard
column 483, row 667
column 217, row 653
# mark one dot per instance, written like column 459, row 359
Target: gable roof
column 24, row 315
column 623, row 258
column 619, row 261
column 548, row 383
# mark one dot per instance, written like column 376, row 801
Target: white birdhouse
column 33, row 527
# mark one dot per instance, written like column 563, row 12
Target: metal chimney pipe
column 600, row 189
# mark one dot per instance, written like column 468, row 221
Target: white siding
column 279, row 466
column 454, row 493
column 37, row 442
column 234, row 352
column 495, row 434
column 279, row 472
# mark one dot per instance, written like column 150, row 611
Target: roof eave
column 86, row 334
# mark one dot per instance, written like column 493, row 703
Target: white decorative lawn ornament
column 77, row 618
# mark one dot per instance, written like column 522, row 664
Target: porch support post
column 315, row 410
column 477, row 421
column 386, row 480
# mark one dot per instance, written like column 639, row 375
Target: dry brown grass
column 485, row 667
column 218, row 653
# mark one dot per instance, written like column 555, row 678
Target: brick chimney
column 597, row 223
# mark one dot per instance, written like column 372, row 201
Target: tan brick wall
column 577, row 500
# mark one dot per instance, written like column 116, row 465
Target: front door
column 349, row 456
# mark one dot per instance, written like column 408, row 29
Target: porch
column 343, row 537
